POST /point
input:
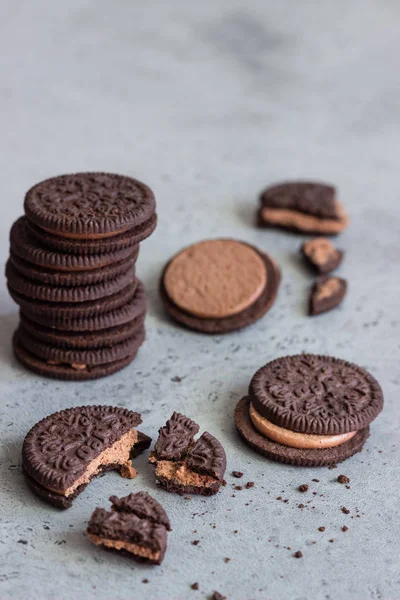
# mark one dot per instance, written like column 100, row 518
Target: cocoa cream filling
column 180, row 474
column 122, row 545
column 294, row 439
column 117, row 454
column 294, row 218
column 320, row 250
column 328, row 289
column 85, row 236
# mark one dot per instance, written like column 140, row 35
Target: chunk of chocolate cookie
column 321, row 255
column 186, row 466
column 89, row 205
column 309, row 410
column 306, row 207
column 136, row 526
column 62, row 453
column 217, row 286
column 326, row 294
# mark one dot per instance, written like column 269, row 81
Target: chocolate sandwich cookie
column 306, row 207
column 75, row 365
column 27, row 248
column 309, row 410
column 321, row 255
column 217, row 286
column 85, row 339
column 136, row 526
column 62, row 453
column 73, row 278
column 133, row 306
column 55, row 312
column 35, row 290
column 327, row 293
column 185, row 466
column 129, row 239
column 90, row 205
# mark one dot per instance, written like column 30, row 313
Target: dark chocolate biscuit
column 68, row 372
column 129, row 239
column 85, row 205
column 131, row 308
column 326, row 294
column 134, row 535
column 35, row 290
column 143, row 506
column 73, row 278
column 175, row 437
column 83, row 340
column 25, row 246
column 307, row 206
column 185, row 466
column 83, row 357
column 315, row 457
column 237, row 321
column 64, row 451
column 321, row 255
column 315, row 394
column 55, row 312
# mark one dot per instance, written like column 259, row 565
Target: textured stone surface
column 208, row 103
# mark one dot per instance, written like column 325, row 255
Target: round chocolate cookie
column 85, row 339
column 131, row 309
column 83, row 357
column 316, row 394
column 51, row 293
column 129, row 239
column 315, row 457
column 25, row 246
column 73, row 278
column 89, row 205
column 212, row 293
column 56, row 311
column 69, row 372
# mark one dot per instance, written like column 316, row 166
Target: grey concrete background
column 208, row 102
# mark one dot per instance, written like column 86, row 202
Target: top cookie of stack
column 72, row 272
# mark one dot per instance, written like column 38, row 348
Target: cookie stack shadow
column 71, row 270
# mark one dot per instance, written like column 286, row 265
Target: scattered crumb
column 196, row 542
column 300, row 506
column 127, row 471
column 345, row 510
column 303, row 488
column 237, row 474
column 176, row 379
column 343, row 479
column 249, row 485
column 227, row 559
column 279, row 498
column 195, row 586
column 321, row 528
column 187, row 498
column 224, row 482
column 145, row 581
column 24, row 542
column 331, row 541
column 236, row 531
column 217, row 596
column 316, row 480
column 332, row 467
column 298, row 554
column 345, row 528
column 238, row 488
column 286, row 500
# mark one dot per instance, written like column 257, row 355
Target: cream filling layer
column 122, row 545
column 180, row 474
column 293, row 218
column 118, row 453
column 294, row 439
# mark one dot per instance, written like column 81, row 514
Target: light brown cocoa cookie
column 215, row 279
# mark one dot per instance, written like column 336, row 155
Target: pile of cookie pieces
column 66, row 450
column 310, row 208
column 71, row 270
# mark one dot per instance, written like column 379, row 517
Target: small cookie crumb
column 217, row 596
column 196, row 542
column 195, row 586
column 145, row 581
column 127, row 471
column 249, row 485
column 303, row 488
column 238, row 488
column 321, row 528
column 316, row 480
column 237, row 474
column 345, row 510
column 343, row 479
column 345, row 528
column 300, row 506
column 298, row 554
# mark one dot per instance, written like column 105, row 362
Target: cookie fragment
column 306, row 207
column 62, row 453
column 321, row 255
column 185, row 466
column 136, row 526
column 326, row 294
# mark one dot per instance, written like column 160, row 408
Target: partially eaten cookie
column 183, row 465
column 136, row 526
column 62, row 453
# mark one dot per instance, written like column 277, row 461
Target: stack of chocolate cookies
column 71, row 270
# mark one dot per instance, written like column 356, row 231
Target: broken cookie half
column 185, row 466
column 136, row 526
column 62, row 453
